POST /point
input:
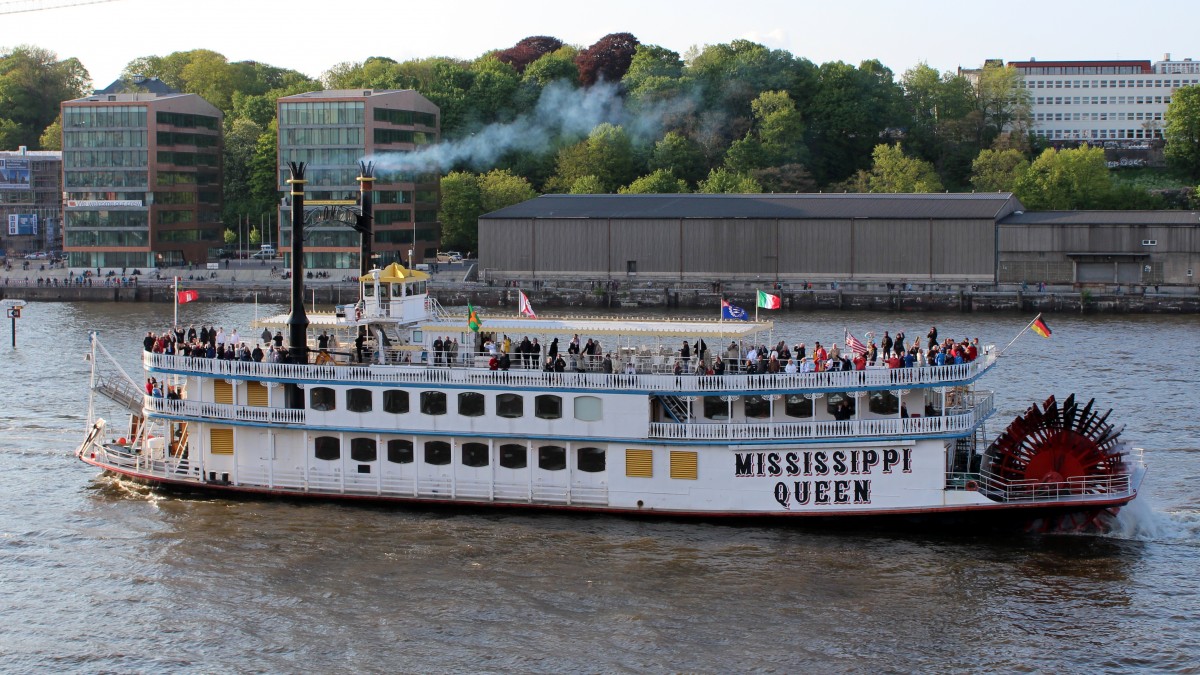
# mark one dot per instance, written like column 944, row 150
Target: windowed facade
column 1118, row 104
column 134, row 171
column 333, row 130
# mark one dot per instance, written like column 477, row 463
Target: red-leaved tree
column 528, row 50
column 607, row 60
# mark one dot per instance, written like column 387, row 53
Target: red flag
column 187, row 296
column 524, row 307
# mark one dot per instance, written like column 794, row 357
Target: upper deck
column 637, row 382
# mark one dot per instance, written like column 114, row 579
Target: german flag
column 1040, row 327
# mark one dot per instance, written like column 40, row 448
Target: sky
column 311, row 36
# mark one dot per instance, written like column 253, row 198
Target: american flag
column 855, row 344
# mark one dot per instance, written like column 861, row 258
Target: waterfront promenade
column 249, row 281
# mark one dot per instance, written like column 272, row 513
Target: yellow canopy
column 396, row 273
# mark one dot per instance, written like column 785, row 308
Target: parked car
column 449, row 256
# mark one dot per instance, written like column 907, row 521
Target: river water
column 97, row 576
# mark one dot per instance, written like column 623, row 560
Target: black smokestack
column 297, row 320
column 366, row 184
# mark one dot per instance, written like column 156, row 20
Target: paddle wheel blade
column 1059, row 449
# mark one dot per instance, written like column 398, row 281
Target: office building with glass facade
column 332, row 131
column 30, row 202
column 141, row 180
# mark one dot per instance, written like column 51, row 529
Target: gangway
column 117, row 386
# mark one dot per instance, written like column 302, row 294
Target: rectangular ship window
column 256, row 394
column 683, row 464
column 222, row 391
column 220, row 441
column 639, row 463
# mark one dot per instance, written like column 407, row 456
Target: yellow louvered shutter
column 639, row 463
column 256, row 394
column 683, row 464
column 220, row 441
column 222, row 391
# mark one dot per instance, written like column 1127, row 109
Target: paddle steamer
column 408, row 423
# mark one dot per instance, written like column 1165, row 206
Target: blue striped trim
column 366, row 431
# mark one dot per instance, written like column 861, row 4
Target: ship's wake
column 1140, row 520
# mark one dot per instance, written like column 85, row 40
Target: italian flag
column 768, row 301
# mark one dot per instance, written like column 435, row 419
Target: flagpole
column 999, row 353
column 176, row 303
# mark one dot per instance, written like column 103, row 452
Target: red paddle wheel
column 1056, row 451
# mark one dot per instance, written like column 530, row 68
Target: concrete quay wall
column 650, row 296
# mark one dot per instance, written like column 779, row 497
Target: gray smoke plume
column 561, row 110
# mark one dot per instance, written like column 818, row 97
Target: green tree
column 679, row 155
column 51, row 138
column 607, row 154
column 1182, row 130
column 230, row 237
column 587, row 185
column 33, row 82
column 1003, row 103
column 461, row 206
column 721, row 181
column 941, row 122
column 491, row 92
column 659, row 182
column 264, row 178
column 255, row 237
column 852, row 109
column 998, row 170
column 1075, row 178
column 11, row 134
column 893, row 171
column 241, row 144
column 499, row 188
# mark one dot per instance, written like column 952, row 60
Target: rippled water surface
column 96, row 575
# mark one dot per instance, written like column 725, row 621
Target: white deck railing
column 831, row 429
column 1071, row 489
column 224, row 411
column 421, row 375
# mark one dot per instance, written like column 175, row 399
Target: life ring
column 972, row 486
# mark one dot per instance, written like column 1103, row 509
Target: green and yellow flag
column 472, row 319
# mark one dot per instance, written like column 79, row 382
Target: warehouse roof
column 1103, row 218
column 788, row 206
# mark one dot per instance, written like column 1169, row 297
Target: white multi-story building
column 1114, row 102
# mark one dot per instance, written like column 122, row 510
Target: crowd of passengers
column 696, row 357
column 214, row 343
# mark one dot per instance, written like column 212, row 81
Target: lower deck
column 831, row 479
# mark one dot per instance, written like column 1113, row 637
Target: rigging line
column 77, row 3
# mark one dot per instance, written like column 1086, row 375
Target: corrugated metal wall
column 741, row 248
